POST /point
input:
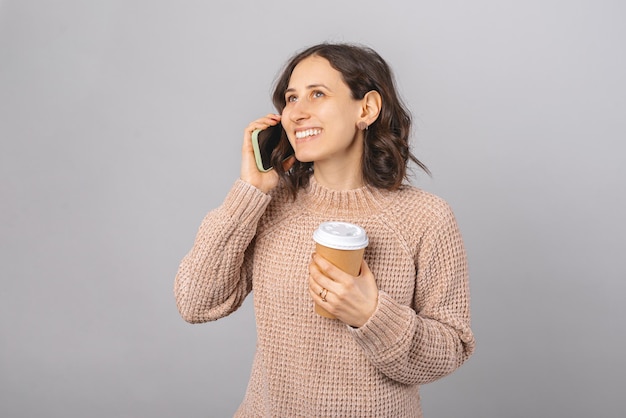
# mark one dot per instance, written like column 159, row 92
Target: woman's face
column 320, row 115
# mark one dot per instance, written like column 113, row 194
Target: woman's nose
column 299, row 111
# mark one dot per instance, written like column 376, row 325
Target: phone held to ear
column 263, row 142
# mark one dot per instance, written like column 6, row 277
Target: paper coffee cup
column 342, row 244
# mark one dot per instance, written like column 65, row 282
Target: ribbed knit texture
column 309, row 366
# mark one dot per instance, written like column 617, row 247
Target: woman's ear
column 371, row 106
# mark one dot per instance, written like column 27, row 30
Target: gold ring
column 323, row 294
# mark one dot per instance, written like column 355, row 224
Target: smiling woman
column 320, row 117
column 385, row 123
column 403, row 320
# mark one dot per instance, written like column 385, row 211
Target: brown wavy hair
column 386, row 152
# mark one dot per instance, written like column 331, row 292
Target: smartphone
column 263, row 142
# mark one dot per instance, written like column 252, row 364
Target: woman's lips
column 305, row 135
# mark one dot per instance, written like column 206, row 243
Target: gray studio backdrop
column 120, row 127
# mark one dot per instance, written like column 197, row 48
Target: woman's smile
column 305, row 135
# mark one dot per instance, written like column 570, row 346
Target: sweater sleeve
column 213, row 280
column 422, row 343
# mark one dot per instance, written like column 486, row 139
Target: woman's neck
column 338, row 176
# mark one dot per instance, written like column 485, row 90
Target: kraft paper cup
column 342, row 244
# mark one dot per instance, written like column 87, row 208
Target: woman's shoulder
column 412, row 200
column 414, row 213
column 279, row 208
column 281, row 197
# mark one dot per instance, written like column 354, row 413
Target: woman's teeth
column 308, row 132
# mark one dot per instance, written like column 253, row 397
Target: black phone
column 263, row 142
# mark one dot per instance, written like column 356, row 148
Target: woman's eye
column 291, row 99
column 317, row 94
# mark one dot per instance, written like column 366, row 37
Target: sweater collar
column 363, row 201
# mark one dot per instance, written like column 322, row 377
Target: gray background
column 121, row 124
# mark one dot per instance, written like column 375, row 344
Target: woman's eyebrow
column 309, row 87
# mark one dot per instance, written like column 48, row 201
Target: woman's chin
column 304, row 157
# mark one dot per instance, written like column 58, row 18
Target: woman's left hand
column 351, row 299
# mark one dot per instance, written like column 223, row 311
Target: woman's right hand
column 249, row 171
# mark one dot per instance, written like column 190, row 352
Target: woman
column 404, row 321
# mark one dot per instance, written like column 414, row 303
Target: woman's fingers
column 270, row 119
column 351, row 299
column 320, row 275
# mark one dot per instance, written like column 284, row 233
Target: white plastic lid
column 341, row 236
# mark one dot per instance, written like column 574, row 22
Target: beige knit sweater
column 309, row 366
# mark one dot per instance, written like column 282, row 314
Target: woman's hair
column 386, row 141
